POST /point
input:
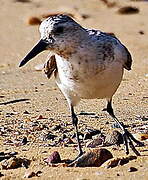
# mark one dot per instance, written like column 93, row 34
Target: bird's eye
column 59, row 30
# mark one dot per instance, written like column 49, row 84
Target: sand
column 27, row 90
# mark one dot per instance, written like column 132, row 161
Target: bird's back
column 111, row 48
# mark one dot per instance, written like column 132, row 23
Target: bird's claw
column 128, row 138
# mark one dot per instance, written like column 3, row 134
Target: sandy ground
column 42, row 97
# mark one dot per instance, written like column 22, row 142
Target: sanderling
column 86, row 63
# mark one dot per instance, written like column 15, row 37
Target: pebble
column 2, row 153
column 41, row 117
column 1, row 174
column 144, row 118
column 68, row 140
column 53, row 158
column 49, row 136
column 33, row 20
column 115, row 138
column 81, row 135
column 132, row 169
column 93, row 158
column 141, row 118
column 29, row 174
column 26, row 112
column 39, row 67
column 128, row 10
column 111, row 163
column 38, row 173
column 141, row 136
column 115, row 125
column 141, row 32
column 24, row 141
column 13, row 153
column 56, row 127
column 96, row 142
column 91, row 132
column 14, row 163
column 4, row 156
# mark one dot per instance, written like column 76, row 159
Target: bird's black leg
column 75, row 123
column 127, row 136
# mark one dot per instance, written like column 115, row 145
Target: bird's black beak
column 39, row 47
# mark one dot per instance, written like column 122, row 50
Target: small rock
column 56, row 127
column 68, row 141
column 2, row 153
column 1, row 174
column 115, row 138
column 87, row 136
column 24, row 141
column 53, row 158
column 128, row 10
column 141, row 32
column 38, row 173
column 115, row 125
column 141, row 118
column 90, row 133
column 41, row 117
column 81, row 135
column 13, row 153
column 29, row 174
column 96, row 142
column 59, row 165
column 33, row 21
column 14, row 163
column 132, row 169
column 39, row 67
column 93, row 158
column 26, row 112
column 109, row 4
column 85, row 16
column 49, row 136
column 144, row 118
column 141, row 136
column 111, row 163
column 4, row 156
column 26, row 163
column 144, row 136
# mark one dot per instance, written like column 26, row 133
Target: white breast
column 88, row 80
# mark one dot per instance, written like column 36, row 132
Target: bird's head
column 59, row 34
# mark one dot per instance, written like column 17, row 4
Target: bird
column 86, row 64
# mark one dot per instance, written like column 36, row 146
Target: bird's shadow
column 14, row 101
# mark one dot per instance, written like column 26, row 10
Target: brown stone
column 92, row 158
column 53, row 158
column 33, row 20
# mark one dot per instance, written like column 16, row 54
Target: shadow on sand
column 14, row 101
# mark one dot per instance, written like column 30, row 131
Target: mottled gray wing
column 128, row 59
column 108, row 37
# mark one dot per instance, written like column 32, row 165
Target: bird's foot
column 128, row 138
